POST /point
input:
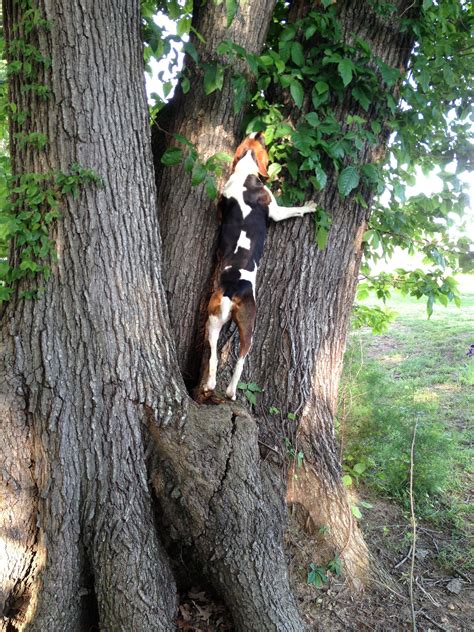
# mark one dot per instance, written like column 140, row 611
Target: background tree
column 93, row 401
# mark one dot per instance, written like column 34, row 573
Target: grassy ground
column 417, row 372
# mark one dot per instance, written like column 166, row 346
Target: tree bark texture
column 91, row 395
column 84, row 358
column 304, row 295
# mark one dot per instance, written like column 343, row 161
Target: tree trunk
column 304, row 295
column 91, row 395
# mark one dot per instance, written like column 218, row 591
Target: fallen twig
column 399, row 595
column 463, row 575
column 433, row 601
column 413, row 525
column 405, row 558
column 437, row 625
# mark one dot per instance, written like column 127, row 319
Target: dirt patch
column 443, row 600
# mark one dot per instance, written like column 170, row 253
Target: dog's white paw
column 310, row 207
column 231, row 394
column 210, row 385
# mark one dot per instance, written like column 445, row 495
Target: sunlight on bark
column 329, row 510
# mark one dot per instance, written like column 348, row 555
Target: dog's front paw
column 310, row 207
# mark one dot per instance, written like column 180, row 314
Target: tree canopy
column 429, row 124
column 430, row 127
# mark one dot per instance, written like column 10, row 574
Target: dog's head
column 255, row 144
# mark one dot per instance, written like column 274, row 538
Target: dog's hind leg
column 219, row 313
column 243, row 314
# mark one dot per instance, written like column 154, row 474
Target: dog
column 245, row 208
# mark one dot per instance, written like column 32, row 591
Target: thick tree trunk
column 304, row 296
column 91, row 396
column 84, row 354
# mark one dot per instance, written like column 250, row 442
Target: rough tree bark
column 93, row 405
column 304, row 296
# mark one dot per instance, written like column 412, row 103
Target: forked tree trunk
column 92, row 402
column 304, row 296
column 187, row 216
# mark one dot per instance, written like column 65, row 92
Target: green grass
column 418, row 370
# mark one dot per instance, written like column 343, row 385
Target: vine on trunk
column 30, row 201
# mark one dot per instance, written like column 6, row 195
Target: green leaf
column 240, row 88
column 376, row 127
column 348, row 180
column 213, row 77
column 210, row 187
column 296, row 90
column 321, row 176
column 288, row 33
column 297, row 54
column 199, row 173
column 185, row 85
column 362, row 96
column 322, row 235
column 183, row 25
column 347, row 480
column 359, row 468
column 321, row 87
column 251, row 397
column 389, row 75
column 231, row 7
column 190, row 50
column 274, row 169
column 172, row 156
column 356, row 511
column 313, row 119
column 345, row 68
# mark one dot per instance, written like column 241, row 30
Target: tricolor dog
column 245, row 207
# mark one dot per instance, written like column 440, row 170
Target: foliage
column 293, row 453
column 250, row 389
column 426, row 109
column 318, row 574
column 201, row 172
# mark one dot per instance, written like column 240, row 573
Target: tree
column 107, row 460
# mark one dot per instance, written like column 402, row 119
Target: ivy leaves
column 201, row 172
column 33, row 204
column 317, row 67
column 213, row 77
column 348, row 180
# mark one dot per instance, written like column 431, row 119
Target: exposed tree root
column 214, row 493
column 328, row 512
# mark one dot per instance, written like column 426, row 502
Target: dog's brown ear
column 259, row 152
column 239, row 152
column 262, row 159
